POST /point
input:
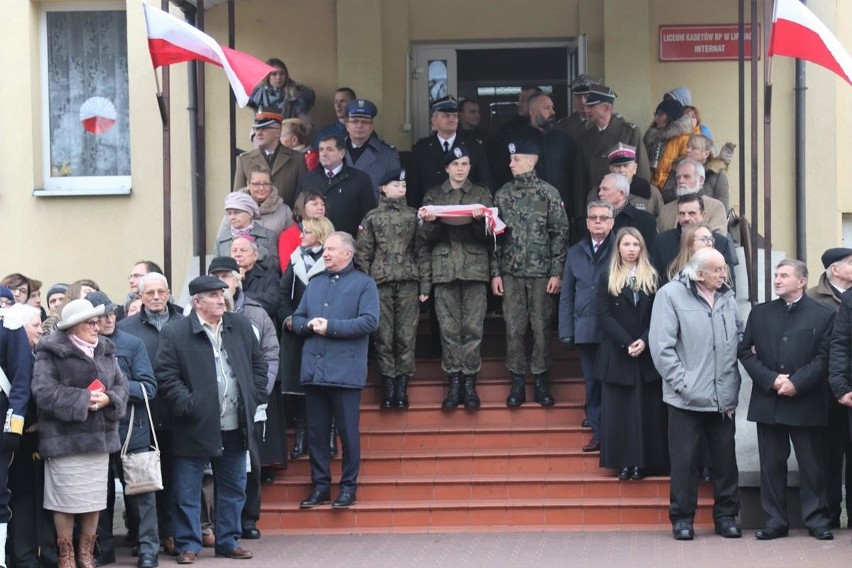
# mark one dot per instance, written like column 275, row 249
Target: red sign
column 709, row 42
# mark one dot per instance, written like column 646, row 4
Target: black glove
column 9, row 441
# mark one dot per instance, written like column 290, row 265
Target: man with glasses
column 140, row 269
column 690, row 210
column 587, row 261
column 690, row 179
column 285, row 165
column 364, row 149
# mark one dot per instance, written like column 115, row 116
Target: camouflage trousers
column 399, row 312
column 527, row 305
column 460, row 309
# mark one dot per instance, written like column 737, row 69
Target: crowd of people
column 618, row 238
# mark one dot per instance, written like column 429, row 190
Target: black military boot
column 388, row 401
column 454, row 393
column 401, row 396
column 471, row 399
column 518, row 395
column 300, row 449
column 542, row 390
column 332, row 439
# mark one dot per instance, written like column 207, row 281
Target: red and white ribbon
column 463, row 214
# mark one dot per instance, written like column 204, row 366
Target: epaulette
column 388, row 144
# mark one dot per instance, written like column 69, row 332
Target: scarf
column 244, row 232
column 310, row 255
column 87, row 348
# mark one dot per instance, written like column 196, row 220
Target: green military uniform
column 533, row 250
column 387, row 249
column 462, row 265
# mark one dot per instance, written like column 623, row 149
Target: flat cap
column 833, row 255
column 205, row 284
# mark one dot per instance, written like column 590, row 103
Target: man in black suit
column 690, row 210
column 428, row 153
column 348, row 191
column 615, row 189
column 785, row 350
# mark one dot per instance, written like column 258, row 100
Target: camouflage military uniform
column 387, row 250
column 533, row 250
column 462, row 265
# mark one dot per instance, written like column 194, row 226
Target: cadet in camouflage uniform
column 387, row 249
column 531, row 260
column 462, row 264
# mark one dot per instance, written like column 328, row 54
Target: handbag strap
column 126, row 444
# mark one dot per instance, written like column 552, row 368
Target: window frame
column 80, row 185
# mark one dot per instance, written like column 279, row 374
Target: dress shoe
column 594, row 445
column 187, row 557
column 822, row 533
column 682, row 530
column 250, row 531
column 147, row 561
column 624, row 473
column 344, row 500
column 169, row 546
column 771, row 533
column 637, row 473
column 134, row 551
column 105, row 557
column 315, row 499
column 208, row 540
column 728, row 528
column 238, row 553
column 585, row 423
column 705, row 473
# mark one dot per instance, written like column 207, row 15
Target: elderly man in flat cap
column 212, row 374
column 364, row 149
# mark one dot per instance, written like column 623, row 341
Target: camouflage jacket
column 536, row 238
column 387, row 248
column 459, row 252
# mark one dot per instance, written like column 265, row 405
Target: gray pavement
column 639, row 549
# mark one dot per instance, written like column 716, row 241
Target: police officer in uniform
column 364, row 150
column 531, row 258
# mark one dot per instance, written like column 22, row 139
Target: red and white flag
column 171, row 40
column 797, row 32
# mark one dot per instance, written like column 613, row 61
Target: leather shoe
column 594, row 445
column 315, row 499
column 344, row 500
column 105, row 558
column 187, row 557
column 728, row 528
column 624, row 473
column 250, row 531
column 822, row 533
column 169, row 546
column 147, row 561
column 705, row 473
column 771, row 533
column 637, row 473
column 238, row 553
column 585, row 423
column 208, row 540
column 682, row 530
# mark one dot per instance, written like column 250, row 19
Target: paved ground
column 494, row 550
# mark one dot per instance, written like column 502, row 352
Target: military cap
column 621, row 154
column 582, row 84
column 833, row 255
column 445, row 104
column 267, row 116
column 361, row 108
column 393, row 175
column 205, row 284
column 524, row 147
column 455, row 153
column 600, row 94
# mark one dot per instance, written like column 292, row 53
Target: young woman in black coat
column 633, row 425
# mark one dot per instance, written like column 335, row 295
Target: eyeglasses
column 93, row 323
column 705, row 240
column 599, row 218
column 260, row 184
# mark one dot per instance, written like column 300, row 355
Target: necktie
column 596, row 246
column 329, row 174
column 446, row 147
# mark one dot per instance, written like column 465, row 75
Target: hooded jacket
column 665, row 145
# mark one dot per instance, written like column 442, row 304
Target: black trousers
column 32, row 535
column 685, row 428
column 837, row 474
column 251, row 510
column 164, row 497
column 773, row 444
column 321, row 404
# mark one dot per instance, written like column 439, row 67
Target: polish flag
column 797, row 32
column 171, row 40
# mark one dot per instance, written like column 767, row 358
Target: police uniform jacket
column 377, row 159
column 459, row 252
column 348, row 196
column 536, row 237
column 288, row 167
column 387, row 247
column 795, row 342
column 428, row 165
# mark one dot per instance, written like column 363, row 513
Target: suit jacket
column 348, row 196
column 428, row 165
column 289, row 165
column 795, row 342
column 623, row 322
column 578, row 312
